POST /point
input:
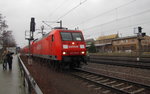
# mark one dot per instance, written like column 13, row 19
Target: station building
column 114, row 43
column 130, row 44
column 104, row 43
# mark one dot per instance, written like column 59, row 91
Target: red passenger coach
column 62, row 47
column 25, row 50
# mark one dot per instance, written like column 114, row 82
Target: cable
column 72, row 9
column 147, row 22
column 105, row 12
column 137, row 14
column 47, row 24
column 57, row 8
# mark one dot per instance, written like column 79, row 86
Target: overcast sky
column 94, row 17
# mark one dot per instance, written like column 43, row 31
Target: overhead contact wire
column 72, row 9
column 106, row 12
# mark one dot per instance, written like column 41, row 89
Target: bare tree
column 6, row 37
column 3, row 25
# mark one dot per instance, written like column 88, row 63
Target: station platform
column 10, row 80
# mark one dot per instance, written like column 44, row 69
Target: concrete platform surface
column 10, row 80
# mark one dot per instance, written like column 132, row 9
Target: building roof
column 107, row 37
column 147, row 37
column 128, row 37
column 103, row 44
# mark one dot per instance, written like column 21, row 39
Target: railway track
column 121, row 58
column 110, row 85
column 117, row 62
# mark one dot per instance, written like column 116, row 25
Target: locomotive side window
column 52, row 37
column 66, row 36
column 77, row 36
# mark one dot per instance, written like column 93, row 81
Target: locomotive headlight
column 73, row 43
column 64, row 53
column 65, row 46
column 82, row 46
column 82, row 52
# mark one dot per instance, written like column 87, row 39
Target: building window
column 132, row 40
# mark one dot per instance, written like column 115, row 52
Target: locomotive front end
column 73, row 47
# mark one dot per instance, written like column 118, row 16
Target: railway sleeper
column 107, row 83
column 97, row 79
column 89, row 86
column 98, row 88
column 138, row 91
column 120, row 84
column 102, row 81
column 89, row 76
column 106, row 92
column 127, row 87
column 82, row 74
column 93, row 77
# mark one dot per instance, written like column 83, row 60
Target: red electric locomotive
column 62, row 47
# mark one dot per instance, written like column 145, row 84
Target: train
column 61, row 47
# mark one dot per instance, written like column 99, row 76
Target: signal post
column 140, row 36
column 30, row 38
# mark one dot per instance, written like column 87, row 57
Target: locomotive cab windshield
column 71, row 36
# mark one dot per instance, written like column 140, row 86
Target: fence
column 28, row 80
